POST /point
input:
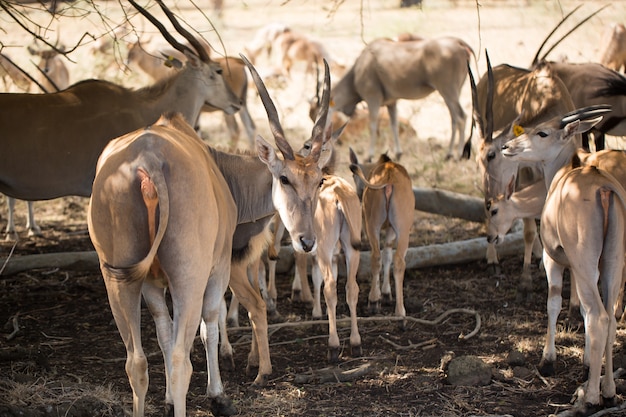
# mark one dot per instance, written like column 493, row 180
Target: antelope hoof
column 587, row 410
column 494, row 270
column 169, row 410
column 356, row 351
column 261, row 380
column 387, row 300
column 609, row 402
column 232, row 323
column 546, row 368
column 574, row 316
column 373, row 307
column 227, row 362
column 222, row 406
column 274, row 317
column 333, row 354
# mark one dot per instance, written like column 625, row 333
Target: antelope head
column 217, row 93
column 296, row 177
column 545, row 141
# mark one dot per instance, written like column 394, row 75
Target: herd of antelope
column 173, row 217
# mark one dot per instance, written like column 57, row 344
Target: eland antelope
column 583, row 226
column 502, row 95
column 160, row 63
column 387, row 71
column 388, row 205
column 263, row 186
column 65, row 162
column 148, row 185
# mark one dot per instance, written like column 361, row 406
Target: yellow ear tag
column 518, row 130
column 169, row 61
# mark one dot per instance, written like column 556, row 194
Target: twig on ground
column 425, row 345
column 333, row 374
column 436, row 321
column 16, row 327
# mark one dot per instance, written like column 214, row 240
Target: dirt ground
column 61, row 354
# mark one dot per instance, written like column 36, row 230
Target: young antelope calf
column 388, row 205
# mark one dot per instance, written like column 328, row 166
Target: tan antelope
column 613, row 47
column 53, row 73
column 65, row 162
column 148, row 185
column 161, row 62
column 290, row 188
column 387, row 71
column 338, row 220
column 12, row 76
column 388, row 205
column 338, row 223
column 264, row 41
column 583, row 228
column 537, row 96
column 295, row 47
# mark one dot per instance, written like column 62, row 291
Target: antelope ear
column 510, row 188
column 267, row 154
column 353, row 158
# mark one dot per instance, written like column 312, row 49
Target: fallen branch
column 16, row 327
column 361, row 320
column 333, row 374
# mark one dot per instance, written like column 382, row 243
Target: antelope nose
column 307, row 244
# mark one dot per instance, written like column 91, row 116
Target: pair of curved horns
column 274, row 121
column 193, row 41
column 585, row 113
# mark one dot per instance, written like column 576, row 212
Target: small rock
column 516, row 358
column 468, row 371
column 521, row 372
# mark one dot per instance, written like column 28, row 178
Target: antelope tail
column 154, row 192
column 356, row 170
column 351, row 209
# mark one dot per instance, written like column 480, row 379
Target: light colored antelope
column 160, row 63
column 583, row 228
column 295, row 47
column 387, row 71
column 148, row 184
column 537, row 95
column 613, row 47
column 12, row 76
column 65, row 162
column 388, row 205
column 264, row 41
column 288, row 186
column 338, row 223
column 53, row 73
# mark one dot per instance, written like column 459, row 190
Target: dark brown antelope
column 65, row 163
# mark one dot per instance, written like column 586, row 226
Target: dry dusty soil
column 61, row 354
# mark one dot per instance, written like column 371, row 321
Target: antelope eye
column 542, row 134
column 494, row 212
column 219, row 71
column 491, row 155
column 284, row 180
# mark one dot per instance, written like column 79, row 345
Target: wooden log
column 448, row 203
column 417, row 257
column 78, row 261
